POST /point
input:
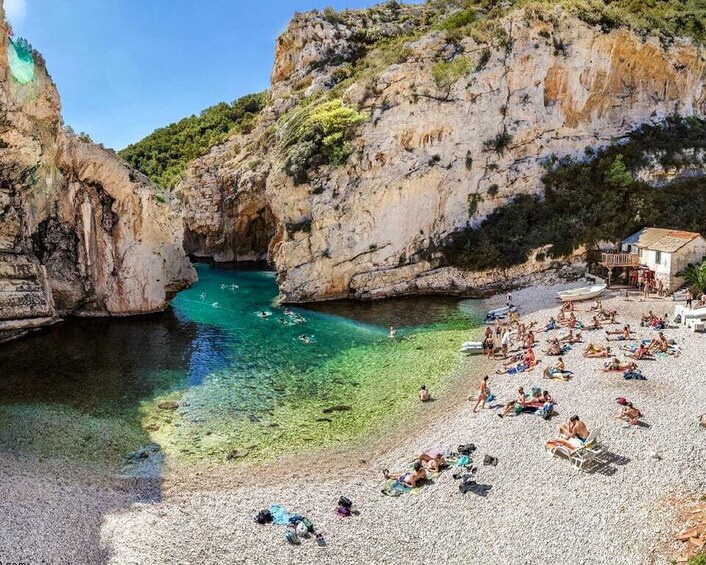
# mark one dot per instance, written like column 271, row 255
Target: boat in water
column 500, row 314
column 583, row 293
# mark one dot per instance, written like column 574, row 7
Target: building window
column 658, row 257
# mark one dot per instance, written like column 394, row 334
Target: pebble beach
column 539, row 509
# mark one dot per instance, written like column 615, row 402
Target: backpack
column 263, row 517
column 466, row 449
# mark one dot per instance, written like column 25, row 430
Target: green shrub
column 458, row 19
column 698, row 560
column 593, row 200
column 447, row 73
column 498, row 143
column 332, row 16
column 164, row 154
column 695, row 277
column 317, row 134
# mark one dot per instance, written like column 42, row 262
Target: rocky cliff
column 452, row 127
column 80, row 232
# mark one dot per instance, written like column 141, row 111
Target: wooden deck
column 612, row 260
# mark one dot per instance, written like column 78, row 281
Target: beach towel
column 280, row 516
column 635, row 375
column 394, row 487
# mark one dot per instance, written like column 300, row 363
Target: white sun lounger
column 581, row 453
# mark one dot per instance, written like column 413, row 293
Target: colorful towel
column 280, row 516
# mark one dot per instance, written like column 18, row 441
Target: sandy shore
column 540, row 509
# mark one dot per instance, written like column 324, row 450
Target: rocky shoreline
column 539, row 508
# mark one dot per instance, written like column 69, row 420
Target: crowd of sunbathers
column 514, row 344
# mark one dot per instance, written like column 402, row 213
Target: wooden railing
column 610, row 260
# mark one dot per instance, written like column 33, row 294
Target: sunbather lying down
column 408, row 478
column 640, row 353
column 596, row 351
column 616, row 365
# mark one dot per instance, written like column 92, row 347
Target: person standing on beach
column 689, row 298
column 506, row 341
column 483, row 394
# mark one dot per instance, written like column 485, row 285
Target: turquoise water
column 230, row 383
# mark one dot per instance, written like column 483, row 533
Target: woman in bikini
column 616, row 366
column 596, row 351
column 483, row 394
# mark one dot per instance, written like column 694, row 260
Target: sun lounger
column 579, row 454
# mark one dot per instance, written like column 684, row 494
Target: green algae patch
column 356, row 393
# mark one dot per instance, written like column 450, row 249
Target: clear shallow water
column 91, row 390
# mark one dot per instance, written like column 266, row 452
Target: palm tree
column 695, row 276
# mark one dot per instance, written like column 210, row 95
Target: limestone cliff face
column 80, row 232
column 430, row 159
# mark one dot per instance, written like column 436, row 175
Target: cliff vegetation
column 600, row 197
column 164, row 154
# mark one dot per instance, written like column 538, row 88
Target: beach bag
column 263, row 517
column 622, row 401
column 518, row 409
column 466, row 449
column 309, row 525
column 343, row 511
column 345, row 502
column 301, row 530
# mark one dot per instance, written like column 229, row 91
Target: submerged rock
column 168, row 405
column 337, row 408
column 237, row 454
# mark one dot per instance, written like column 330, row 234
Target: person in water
column 574, row 428
column 393, row 332
column 424, row 394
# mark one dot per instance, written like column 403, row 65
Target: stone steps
column 23, row 290
column 20, row 285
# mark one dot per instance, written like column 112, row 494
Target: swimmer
column 393, row 331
